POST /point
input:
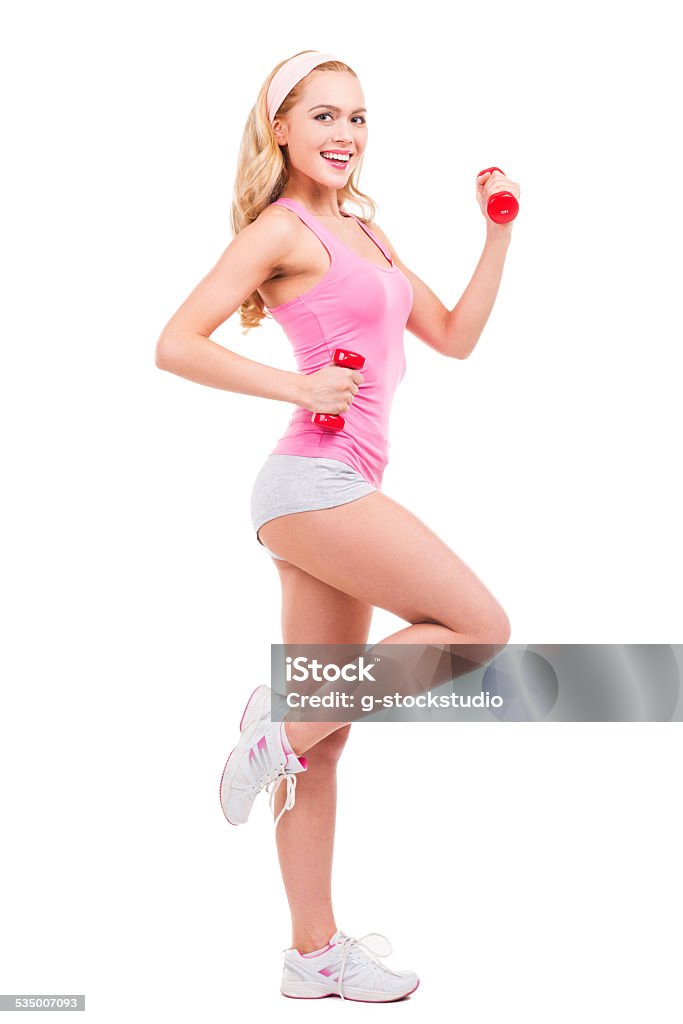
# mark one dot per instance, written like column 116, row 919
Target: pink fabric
column 359, row 306
column 316, row 952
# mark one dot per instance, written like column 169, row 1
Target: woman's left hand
column 487, row 184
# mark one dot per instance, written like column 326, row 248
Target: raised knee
column 490, row 627
column 498, row 628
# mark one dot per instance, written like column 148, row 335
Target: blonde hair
column 262, row 174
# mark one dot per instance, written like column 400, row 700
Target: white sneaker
column 346, row 967
column 259, row 760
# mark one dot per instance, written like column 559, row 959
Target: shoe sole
column 251, row 716
column 307, row 990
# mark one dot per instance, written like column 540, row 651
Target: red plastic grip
column 502, row 206
column 328, row 421
column 352, row 361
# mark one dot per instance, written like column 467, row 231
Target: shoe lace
column 272, row 783
column 351, row 945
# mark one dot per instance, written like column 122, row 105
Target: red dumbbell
column 502, row 206
column 353, row 361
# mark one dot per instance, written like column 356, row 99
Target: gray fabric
column 299, row 483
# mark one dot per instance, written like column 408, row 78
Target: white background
column 527, row 874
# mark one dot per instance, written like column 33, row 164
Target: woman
column 332, row 281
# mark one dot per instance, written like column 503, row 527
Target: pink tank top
column 359, row 306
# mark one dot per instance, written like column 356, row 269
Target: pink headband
column 289, row 74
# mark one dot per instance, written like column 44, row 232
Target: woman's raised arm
column 455, row 332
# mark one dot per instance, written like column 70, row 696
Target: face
column 328, row 116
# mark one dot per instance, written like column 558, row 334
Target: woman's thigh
column 377, row 551
column 314, row 612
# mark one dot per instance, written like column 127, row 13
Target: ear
column 279, row 132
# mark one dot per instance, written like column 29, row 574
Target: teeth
column 341, row 157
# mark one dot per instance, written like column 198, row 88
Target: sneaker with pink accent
column 262, row 759
column 346, row 967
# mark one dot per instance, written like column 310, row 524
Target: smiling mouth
column 336, row 161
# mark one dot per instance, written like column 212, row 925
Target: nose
column 342, row 127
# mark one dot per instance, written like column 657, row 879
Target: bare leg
column 313, row 612
column 328, row 599
column 392, row 560
column 305, row 842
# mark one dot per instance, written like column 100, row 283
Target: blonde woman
column 333, row 281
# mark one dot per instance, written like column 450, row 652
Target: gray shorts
column 302, row 483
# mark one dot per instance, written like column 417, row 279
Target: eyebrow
column 330, row 106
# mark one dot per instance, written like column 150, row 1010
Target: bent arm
column 185, row 346
column 466, row 321
column 204, row 361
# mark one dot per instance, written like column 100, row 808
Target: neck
column 321, row 203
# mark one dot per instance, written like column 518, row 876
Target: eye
column 359, row 117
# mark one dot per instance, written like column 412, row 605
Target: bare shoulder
column 277, row 223
column 274, row 213
column 276, row 228
column 255, row 255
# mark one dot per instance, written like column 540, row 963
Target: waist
column 367, row 454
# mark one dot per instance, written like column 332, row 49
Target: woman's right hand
column 330, row 390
